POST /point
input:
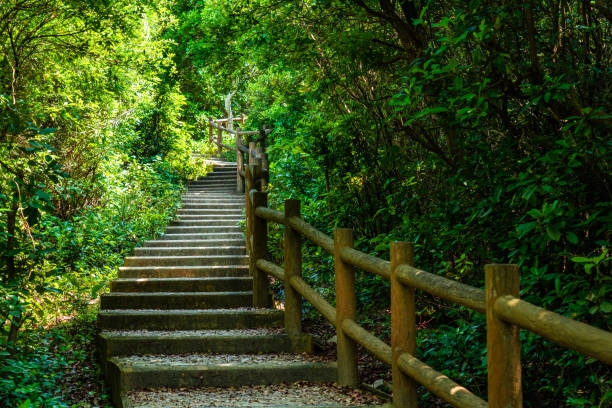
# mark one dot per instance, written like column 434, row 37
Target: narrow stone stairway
column 180, row 316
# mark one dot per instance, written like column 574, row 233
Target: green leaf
column 606, row 307
column 526, row 227
column 572, row 238
column 46, row 131
column 553, row 233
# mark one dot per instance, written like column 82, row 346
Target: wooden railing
column 248, row 149
column 499, row 301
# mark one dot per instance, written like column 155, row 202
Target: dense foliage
column 478, row 130
column 93, row 149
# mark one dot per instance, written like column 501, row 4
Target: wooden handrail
column 366, row 262
column 370, row 342
column 442, row 287
column 270, row 215
column 238, row 132
column 271, row 268
column 243, row 149
column 439, row 384
column 224, row 129
column 562, row 330
column 223, row 145
column 315, row 299
column 321, row 239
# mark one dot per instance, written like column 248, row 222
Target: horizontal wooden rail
column 370, row 342
column 366, row 262
column 437, row 285
column 254, row 132
column 224, row 129
column 315, row 298
column 244, row 149
column 555, row 327
column 270, row 214
column 271, row 268
column 223, row 145
column 235, row 118
column 438, row 383
column 313, row 234
column 238, row 132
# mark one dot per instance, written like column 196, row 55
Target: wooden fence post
column 403, row 326
column 248, row 181
column 259, row 249
column 210, row 132
column 239, row 164
column 251, row 151
column 293, row 267
column 346, row 308
column 503, row 343
column 219, row 141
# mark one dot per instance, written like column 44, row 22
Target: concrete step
column 213, row 206
column 299, row 395
column 175, row 300
column 206, row 260
column 198, row 319
column 211, row 271
column 215, row 284
column 223, row 168
column 205, row 194
column 212, row 187
column 190, row 251
column 215, row 201
column 212, row 195
column 194, row 243
column 204, row 236
column 206, row 200
column 214, row 176
column 206, row 184
column 222, row 190
column 121, row 343
column 209, row 217
column 208, row 181
column 157, row 371
column 207, row 223
column 229, row 178
column 206, row 197
column 231, row 212
column 202, row 230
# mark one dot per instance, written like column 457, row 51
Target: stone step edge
column 123, row 379
column 112, row 343
column 185, row 248
column 176, row 267
column 179, row 294
column 187, row 279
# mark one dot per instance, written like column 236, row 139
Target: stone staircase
column 180, row 314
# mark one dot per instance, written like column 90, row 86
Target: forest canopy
column 478, row 130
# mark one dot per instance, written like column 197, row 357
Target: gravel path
column 292, row 395
column 214, row 359
column 196, row 333
column 182, row 311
